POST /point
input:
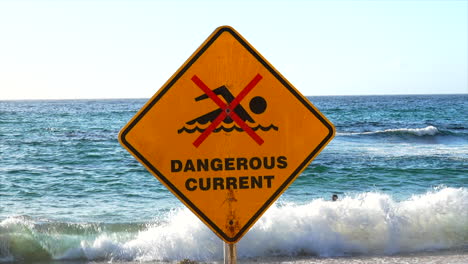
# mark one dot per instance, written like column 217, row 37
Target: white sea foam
column 367, row 224
column 426, row 131
column 370, row 223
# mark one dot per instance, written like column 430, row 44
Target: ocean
column 69, row 193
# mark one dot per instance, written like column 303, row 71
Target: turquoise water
column 69, row 191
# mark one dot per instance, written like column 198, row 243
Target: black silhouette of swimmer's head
column 257, row 105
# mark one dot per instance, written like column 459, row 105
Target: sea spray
column 182, row 236
column 435, row 220
column 364, row 224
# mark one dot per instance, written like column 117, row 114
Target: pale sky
column 128, row 49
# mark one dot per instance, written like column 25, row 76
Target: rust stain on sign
column 232, row 222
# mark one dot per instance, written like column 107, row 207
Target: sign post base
column 230, row 253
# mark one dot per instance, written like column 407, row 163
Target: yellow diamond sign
column 227, row 134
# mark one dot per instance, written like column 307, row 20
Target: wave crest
column 427, row 131
column 366, row 224
column 418, row 132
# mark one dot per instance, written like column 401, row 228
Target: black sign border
column 282, row 188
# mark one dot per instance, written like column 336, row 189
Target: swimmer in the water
column 334, row 197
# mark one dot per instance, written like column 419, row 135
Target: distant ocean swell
column 364, row 224
column 428, row 131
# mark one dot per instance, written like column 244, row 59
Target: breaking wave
column 365, row 224
column 427, row 131
column 429, row 134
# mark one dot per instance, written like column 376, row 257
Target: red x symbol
column 228, row 110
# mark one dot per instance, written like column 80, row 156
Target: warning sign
column 227, row 134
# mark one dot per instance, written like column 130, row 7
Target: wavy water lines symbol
column 228, row 129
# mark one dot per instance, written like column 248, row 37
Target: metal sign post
column 230, row 253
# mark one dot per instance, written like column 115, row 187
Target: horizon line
column 147, row 98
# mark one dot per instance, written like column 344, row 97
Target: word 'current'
column 229, row 183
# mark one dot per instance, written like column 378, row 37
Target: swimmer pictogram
column 228, row 113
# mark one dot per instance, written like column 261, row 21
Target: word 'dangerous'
column 229, row 164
